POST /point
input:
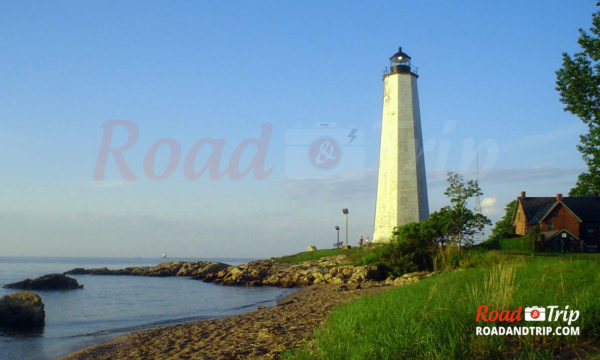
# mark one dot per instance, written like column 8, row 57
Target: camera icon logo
column 323, row 150
column 535, row 313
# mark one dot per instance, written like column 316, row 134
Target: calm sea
column 108, row 306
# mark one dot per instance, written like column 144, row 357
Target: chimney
column 559, row 197
column 522, row 194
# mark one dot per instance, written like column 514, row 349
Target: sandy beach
column 261, row 334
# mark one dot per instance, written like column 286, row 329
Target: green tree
column 463, row 222
column 533, row 239
column 439, row 225
column 578, row 83
column 503, row 227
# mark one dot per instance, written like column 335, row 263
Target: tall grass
column 435, row 318
column 498, row 287
column 451, row 257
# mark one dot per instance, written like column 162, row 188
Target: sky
column 260, row 81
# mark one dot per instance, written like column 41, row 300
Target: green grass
column 518, row 243
column 435, row 318
column 352, row 255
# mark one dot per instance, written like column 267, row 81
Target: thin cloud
column 351, row 185
column 364, row 185
column 545, row 138
column 489, row 202
column 508, row 175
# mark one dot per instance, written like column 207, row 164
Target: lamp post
column 337, row 243
column 345, row 212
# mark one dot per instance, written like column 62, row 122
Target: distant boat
column 164, row 255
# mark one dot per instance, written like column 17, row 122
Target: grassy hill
column 435, row 318
column 351, row 255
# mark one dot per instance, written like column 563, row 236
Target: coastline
column 331, row 269
column 260, row 334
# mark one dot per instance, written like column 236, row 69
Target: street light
column 337, row 243
column 345, row 211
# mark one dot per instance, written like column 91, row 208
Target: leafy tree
column 414, row 245
column 440, row 225
column 533, row 239
column 578, row 83
column 504, row 228
column 463, row 222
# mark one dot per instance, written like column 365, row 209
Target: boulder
column 336, row 280
column 46, row 282
column 22, row 310
column 417, row 274
column 400, row 281
column 359, row 275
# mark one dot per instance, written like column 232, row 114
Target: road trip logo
column 533, row 320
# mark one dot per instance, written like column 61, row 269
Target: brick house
column 565, row 222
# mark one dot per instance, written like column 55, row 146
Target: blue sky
column 220, row 70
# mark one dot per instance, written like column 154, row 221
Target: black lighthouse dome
column 400, row 63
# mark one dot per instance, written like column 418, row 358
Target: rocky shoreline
column 262, row 334
column 331, row 270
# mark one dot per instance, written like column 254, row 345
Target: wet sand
column 261, row 334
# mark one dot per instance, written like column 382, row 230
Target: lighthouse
column 401, row 182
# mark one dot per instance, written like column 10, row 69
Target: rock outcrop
column 264, row 272
column 257, row 273
column 46, row 282
column 21, row 311
column 194, row 269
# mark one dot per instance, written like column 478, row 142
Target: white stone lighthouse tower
column 401, row 185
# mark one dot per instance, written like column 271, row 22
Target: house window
column 550, row 226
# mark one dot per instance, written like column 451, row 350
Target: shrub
column 518, row 243
column 527, row 243
column 489, row 244
column 410, row 249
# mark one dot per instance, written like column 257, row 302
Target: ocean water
column 109, row 305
